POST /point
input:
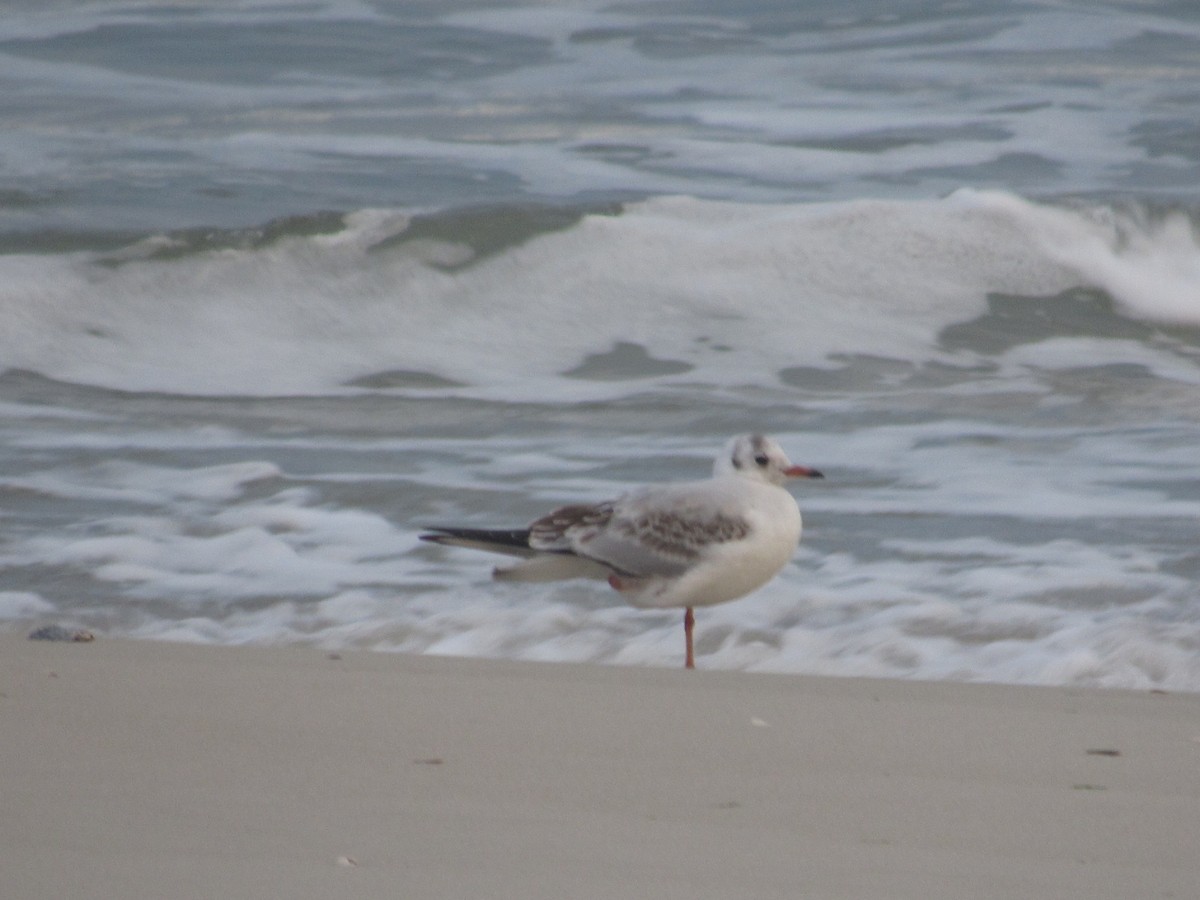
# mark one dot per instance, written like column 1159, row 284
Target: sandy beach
column 151, row 770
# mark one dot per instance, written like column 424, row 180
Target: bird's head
column 758, row 457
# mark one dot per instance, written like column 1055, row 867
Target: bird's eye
column 762, row 459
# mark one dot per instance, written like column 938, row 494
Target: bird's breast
column 732, row 569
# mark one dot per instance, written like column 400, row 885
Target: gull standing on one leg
column 678, row 545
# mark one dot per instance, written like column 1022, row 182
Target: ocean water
column 282, row 282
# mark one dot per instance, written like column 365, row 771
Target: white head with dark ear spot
column 760, row 458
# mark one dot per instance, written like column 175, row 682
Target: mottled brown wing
column 680, row 537
column 663, row 537
column 562, row 530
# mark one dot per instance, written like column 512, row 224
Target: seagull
column 684, row 545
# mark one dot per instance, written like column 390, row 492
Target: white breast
column 733, row 569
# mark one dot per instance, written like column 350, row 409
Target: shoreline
column 142, row 769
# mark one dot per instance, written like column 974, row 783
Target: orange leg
column 689, row 621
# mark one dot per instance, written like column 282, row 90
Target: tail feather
column 536, row 565
column 514, row 542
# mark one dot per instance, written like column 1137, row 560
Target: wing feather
column 660, row 532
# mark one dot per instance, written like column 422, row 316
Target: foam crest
column 1149, row 264
column 1153, row 271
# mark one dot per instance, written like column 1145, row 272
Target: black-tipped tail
column 511, row 541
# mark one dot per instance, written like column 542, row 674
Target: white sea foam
column 236, row 565
column 222, row 552
column 139, row 483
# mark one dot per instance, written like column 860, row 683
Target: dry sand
column 142, row 770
